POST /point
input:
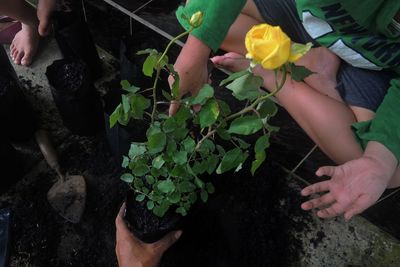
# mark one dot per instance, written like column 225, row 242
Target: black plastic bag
column 4, row 236
column 120, row 137
column 75, row 41
column 75, row 96
column 16, row 113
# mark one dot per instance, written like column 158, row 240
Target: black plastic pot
column 10, row 166
column 120, row 137
column 76, row 98
column 76, row 42
column 16, row 113
column 145, row 225
column 4, row 236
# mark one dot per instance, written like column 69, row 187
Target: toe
column 18, row 57
column 27, row 59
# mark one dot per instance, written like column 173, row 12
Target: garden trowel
column 68, row 195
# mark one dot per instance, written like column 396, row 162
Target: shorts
column 357, row 87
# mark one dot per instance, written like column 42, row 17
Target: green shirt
column 360, row 32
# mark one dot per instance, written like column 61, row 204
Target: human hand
column 131, row 252
column 191, row 66
column 354, row 186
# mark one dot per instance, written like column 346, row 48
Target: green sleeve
column 219, row 15
column 385, row 127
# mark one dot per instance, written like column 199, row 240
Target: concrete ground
column 324, row 242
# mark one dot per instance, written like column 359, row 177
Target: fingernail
column 178, row 234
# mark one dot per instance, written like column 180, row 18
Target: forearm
column 19, row 10
column 383, row 156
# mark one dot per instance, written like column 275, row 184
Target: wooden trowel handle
column 48, row 151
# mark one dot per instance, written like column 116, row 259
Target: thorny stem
column 158, row 70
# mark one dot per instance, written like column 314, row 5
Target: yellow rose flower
column 271, row 47
column 268, row 45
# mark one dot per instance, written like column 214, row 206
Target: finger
column 173, row 108
column 318, row 202
column 326, row 170
column 332, row 211
column 316, row 188
column 361, row 204
column 119, row 221
column 167, row 241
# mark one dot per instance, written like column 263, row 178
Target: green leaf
column 267, row 109
column 138, row 105
column 180, row 133
column 178, row 171
column 234, row 76
column 188, row 144
column 140, row 197
column 199, row 183
column 181, row 211
column 242, row 144
column 150, row 179
column 261, row 144
column 150, row 205
column 204, row 196
column 210, row 188
column 156, row 142
column 246, row 87
column 231, row 160
column 158, row 162
column 170, row 125
column 125, row 84
column 199, row 167
column 182, row 115
column 125, row 161
column 136, row 149
column 299, row 73
column 209, row 114
column 207, row 146
column 175, row 86
column 166, row 95
column 212, row 162
column 149, row 65
column 224, row 107
column 204, row 94
column 115, row 116
column 246, row 125
column 171, row 148
column 223, row 134
column 186, row 187
column 175, row 197
column 127, row 177
column 138, row 183
column 125, row 103
column 180, row 157
column 166, row 186
column 140, row 169
column 153, row 129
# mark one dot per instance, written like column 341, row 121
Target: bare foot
column 44, row 11
column 24, row 46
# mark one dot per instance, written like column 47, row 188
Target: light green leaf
column 234, row 76
column 199, row 182
column 166, row 186
column 170, row 125
column 150, row 205
column 246, row 87
column 150, row 179
column 262, row 143
column 115, row 116
column 138, row 105
column 149, row 65
column 140, row 169
column 147, row 51
column 181, row 211
column 246, row 125
column 125, row 161
column 125, row 103
column 125, row 84
column 136, row 149
column 175, row 86
column 158, row 162
column 182, row 115
column 209, row 113
column 127, row 177
column 188, row 144
column 140, row 197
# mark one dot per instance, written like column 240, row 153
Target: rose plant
column 167, row 170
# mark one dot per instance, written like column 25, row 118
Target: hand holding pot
column 131, row 252
column 354, row 186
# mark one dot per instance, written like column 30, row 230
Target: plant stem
column 158, row 71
